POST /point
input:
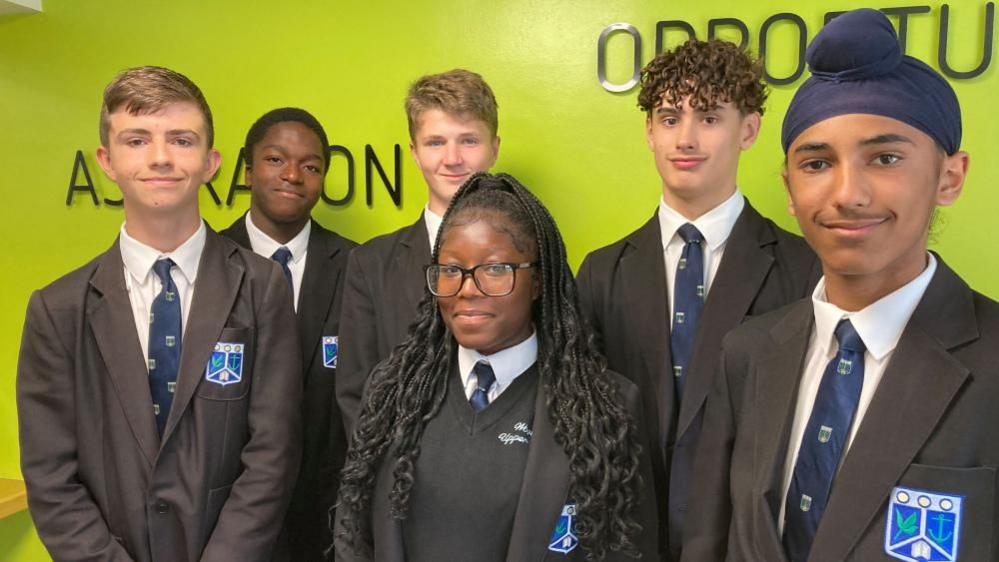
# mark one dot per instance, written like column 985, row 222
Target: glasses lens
column 495, row 279
column 444, row 280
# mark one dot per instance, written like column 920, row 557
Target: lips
column 471, row 317
column 291, row 194
column 160, row 180
column 853, row 228
column 455, row 177
column 686, row 162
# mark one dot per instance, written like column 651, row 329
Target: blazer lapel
column 740, row 276
column 775, row 393
column 316, row 294
column 411, row 261
column 215, row 291
column 113, row 325
column 918, row 386
column 543, row 491
column 644, row 273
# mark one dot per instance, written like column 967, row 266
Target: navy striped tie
column 283, row 255
column 164, row 343
column 484, row 379
column 823, row 443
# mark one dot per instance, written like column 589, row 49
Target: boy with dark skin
column 287, row 158
column 876, row 396
column 662, row 298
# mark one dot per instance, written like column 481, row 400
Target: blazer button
column 162, row 507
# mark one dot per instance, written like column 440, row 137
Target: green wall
column 579, row 147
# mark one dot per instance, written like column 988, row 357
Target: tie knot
column 161, row 268
column 848, row 337
column 282, row 255
column 485, row 377
column 689, row 233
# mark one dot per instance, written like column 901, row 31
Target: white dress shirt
column 715, row 226
column 433, row 222
column 507, row 364
column 880, row 326
column 298, row 246
column 143, row 285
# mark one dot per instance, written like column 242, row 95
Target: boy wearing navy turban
column 857, row 425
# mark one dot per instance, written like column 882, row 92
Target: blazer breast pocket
column 942, row 511
column 229, row 371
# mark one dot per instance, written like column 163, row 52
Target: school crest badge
column 564, row 539
column 225, row 366
column 923, row 526
column 330, row 346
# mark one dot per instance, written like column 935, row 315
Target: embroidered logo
column 521, row 434
column 225, row 366
column 922, row 525
column 330, row 346
column 564, row 538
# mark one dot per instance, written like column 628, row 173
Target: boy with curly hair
column 662, row 299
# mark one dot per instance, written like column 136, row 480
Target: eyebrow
column 812, row 147
column 887, row 138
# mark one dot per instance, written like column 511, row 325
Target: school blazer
column 385, row 283
column 306, row 531
column 544, row 492
column 930, row 426
column 102, row 484
column 622, row 291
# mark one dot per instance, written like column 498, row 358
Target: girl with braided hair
column 494, row 432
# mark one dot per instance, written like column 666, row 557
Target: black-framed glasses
column 493, row 279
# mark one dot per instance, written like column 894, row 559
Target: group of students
column 711, row 387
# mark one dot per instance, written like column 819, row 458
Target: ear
column 648, row 132
column 412, row 151
column 787, row 190
column 247, row 172
column 104, row 159
column 212, row 165
column 750, row 130
column 496, row 146
column 953, row 171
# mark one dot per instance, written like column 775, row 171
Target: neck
column 282, row 233
column 164, row 233
column 856, row 292
column 692, row 207
column 436, row 205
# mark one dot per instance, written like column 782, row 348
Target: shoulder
column 786, row 244
column 384, row 244
column 606, row 257
column 70, row 289
column 332, row 239
column 761, row 333
column 236, row 229
column 987, row 317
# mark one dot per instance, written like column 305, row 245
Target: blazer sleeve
column 68, row 521
column 706, row 531
column 250, row 519
column 358, row 342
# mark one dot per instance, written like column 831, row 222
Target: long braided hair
column 590, row 423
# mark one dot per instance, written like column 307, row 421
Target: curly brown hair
column 710, row 72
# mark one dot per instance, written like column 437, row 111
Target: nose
column 468, row 287
column 452, row 154
column 686, row 138
column 291, row 173
column 852, row 189
column 160, row 155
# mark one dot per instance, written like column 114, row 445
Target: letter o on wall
column 602, row 57
column 802, row 36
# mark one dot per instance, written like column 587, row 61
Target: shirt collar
column 507, row 364
column 881, row 323
column 433, row 222
column 139, row 258
column 715, row 225
column 264, row 245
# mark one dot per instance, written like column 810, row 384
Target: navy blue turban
column 858, row 67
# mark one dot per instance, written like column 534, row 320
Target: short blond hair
column 455, row 92
column 148, row 89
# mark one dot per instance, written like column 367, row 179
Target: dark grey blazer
column 929, row 426
column 101, row 483
column 385, row 282
column 306, row 531
column 622, row 290
column 543, row 493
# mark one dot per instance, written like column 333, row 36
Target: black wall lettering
column 714, row 24
column 990, row 16
column 371, row 160
column 80, row 164
column 903, row 14
column 234, row 185
column 662, row 26
column 215, row 196
column 345, row 152
column 802, row 37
